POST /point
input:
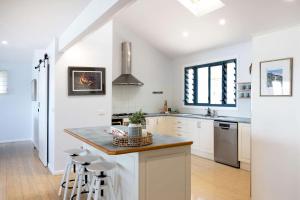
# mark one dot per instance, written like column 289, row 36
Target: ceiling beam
column 95, row 15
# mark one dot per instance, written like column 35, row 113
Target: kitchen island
column 160, row 171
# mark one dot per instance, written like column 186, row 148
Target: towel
column 119, row 131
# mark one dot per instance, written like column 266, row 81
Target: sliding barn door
column 43, row 114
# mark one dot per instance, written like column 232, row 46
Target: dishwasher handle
column 225, row 125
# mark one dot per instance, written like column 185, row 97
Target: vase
column 135, row 130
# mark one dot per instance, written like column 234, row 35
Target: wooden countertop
column 101, row 139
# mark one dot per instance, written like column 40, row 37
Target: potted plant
column 135, row 124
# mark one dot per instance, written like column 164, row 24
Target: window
column 211, row 84
column 3, row 82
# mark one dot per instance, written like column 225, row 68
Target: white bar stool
column 100, row 181
column 64, row 184
column 82, row 175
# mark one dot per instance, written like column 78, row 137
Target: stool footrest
column 83, row 192
column 64, row 183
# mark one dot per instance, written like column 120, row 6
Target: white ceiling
column 161, row 22
column 32, row 24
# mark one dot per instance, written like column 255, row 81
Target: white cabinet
column 200, row 131
column 244, row 143
column 151, row 124
column 203, row 136
column 206, row 129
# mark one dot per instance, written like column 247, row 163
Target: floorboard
column 23, row 177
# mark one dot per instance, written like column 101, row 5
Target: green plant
column 137, row 118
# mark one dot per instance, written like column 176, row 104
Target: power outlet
column 100, row 112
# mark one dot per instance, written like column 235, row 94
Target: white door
column 43, row 115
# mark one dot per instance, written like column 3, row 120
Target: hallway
column 22, row 175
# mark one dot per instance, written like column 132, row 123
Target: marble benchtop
column 101, row 139
column 195, row 116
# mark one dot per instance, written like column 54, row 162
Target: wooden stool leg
column 67, row 181
column 75, row 182
column 80, row 178
column 97, row 189
column 92, row 186
column 63, row 179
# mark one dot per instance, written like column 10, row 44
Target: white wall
column 95, row 50
column 15, row 106
column 242, row 52
column 276, row 123
column 149, row 66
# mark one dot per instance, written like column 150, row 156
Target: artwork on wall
column 276, row 77
column 86, row 81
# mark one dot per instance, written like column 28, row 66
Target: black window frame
column 224, row 83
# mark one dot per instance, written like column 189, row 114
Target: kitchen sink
column 201, row 115
column 221, row 116
column 183, row 114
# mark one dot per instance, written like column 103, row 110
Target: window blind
column 3, row 82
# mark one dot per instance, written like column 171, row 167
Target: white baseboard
column 58, row 172
column 55, row 172
column 17, row 140
column 245, row 166
column 202, row 154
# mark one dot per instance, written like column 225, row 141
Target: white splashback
column 149, row 66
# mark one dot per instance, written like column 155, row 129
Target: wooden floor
column 22, row 177
column 214, row 181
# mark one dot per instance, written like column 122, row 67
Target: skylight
column 202, row 7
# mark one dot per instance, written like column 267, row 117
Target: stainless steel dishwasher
column 226, row 143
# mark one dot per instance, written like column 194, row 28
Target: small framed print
column 86, row 81
column 276, row 77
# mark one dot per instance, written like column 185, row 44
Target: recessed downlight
column 289, row 1
column 185, row 34
column 222, row 22
column 201, row 7
column 4, row 42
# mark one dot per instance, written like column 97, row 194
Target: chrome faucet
column 211, row 113
column 208, row 113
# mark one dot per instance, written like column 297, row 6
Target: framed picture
column 276, row 77
column 86, row 81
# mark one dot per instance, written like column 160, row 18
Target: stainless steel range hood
column 126, row 78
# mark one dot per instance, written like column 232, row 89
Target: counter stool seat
column 86, row 159
column 100, row 181
column 101, row 167
column 74, row 152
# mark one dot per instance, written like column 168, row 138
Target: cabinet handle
column 179, row 127
column 198, row 124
